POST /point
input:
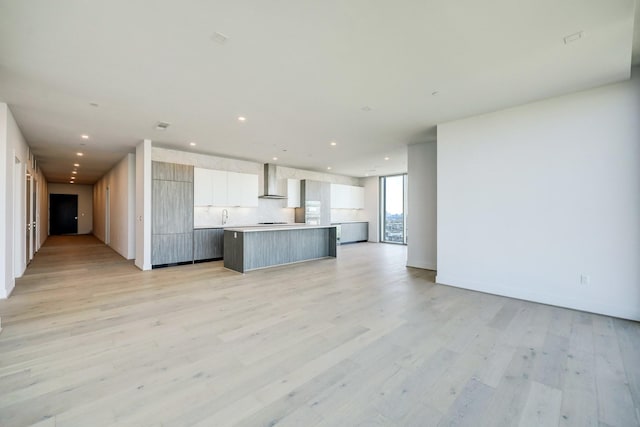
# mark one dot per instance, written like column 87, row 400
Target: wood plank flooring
column 89, row 340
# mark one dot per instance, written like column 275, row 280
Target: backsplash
column 268, row 210
column 348, row 215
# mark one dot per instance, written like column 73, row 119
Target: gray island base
column 251, row 248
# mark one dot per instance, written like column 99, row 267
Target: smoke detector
column 162, row 125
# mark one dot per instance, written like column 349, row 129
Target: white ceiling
column 300, row 71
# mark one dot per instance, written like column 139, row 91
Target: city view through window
column 393, row 192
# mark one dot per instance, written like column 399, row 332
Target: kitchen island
column 251, row 248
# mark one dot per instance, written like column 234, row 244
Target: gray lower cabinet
column 354, row 232
column 171, row 248
column 171, row 214
column 208, row 243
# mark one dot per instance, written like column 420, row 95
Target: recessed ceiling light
column 74, row 172
column 162, row 125
column 435, row 93
column 80, row 154
column 84, row 136
column 70, row 182
column 193, row 144
column 387, row 158
column 328, row 168
column 242, row 119
column 275, row 158
column 76, row 165
column 333, row 143
column 94, row 104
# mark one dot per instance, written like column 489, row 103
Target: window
column 393, row 208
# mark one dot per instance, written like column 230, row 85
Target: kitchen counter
column 276, row 227
column 251, row 248
column 348, row 222
column 206, row 227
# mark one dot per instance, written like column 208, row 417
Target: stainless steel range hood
column 270, row 183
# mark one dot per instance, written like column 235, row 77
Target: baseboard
column 630, row 313
column 424, row 266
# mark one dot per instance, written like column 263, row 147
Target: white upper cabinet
column 242, row 189
column 209, row 187
column 357, row 197
column 347, row 197
column 202, row 187
column 293, row 193
column 338, row 196
column 219, row 188
column 222, row 188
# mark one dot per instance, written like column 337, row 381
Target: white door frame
column 19, row 215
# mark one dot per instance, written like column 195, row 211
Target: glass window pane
column 394, row 202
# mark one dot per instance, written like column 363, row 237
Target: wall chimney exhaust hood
column 270, row 183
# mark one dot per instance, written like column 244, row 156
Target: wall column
column 143, row 205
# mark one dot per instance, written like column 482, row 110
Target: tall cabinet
column 315, row 203
column 172, row 213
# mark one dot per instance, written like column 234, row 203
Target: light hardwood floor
column 89, row 340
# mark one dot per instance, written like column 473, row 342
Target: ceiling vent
column 219, row 38
column 573, row 37
column 162, row 125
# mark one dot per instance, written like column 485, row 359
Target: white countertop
column 275, row 227
column 347, row 222
column 205, row 227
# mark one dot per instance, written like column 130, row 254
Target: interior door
column 28, row 219
column 107, row 217
column 63, row 214
column 34, row 218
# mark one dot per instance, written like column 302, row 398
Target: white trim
column 525, row 293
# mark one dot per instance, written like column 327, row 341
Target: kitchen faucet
column 225, row 216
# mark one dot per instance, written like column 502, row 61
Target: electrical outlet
column 584, row 279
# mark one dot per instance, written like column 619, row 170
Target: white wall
column 85, row 203
column 422, row 203
column 372, row 206
column 531, row 198
column 14, row 164
column 6, row 182
column 121, row 184
column 143, row 205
